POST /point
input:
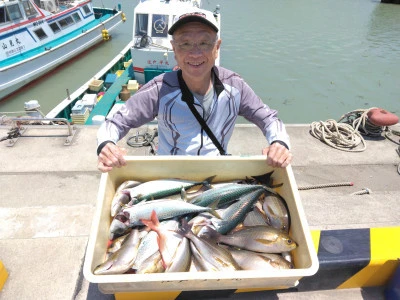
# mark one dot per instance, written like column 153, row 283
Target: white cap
column 194, row 15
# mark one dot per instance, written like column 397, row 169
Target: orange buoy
column 381, row 117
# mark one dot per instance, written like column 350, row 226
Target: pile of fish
column 174, row 225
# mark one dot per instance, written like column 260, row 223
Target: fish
column 148, row 246
column 122, row 260
column 249, row 260
column 208, row 254
column 225, row 194
column 261, row 238
column 157, row 189
column 277, row 212
column 164, row 208
column 256, row 217
column 115, row 244
column 152, row 264
column 119, row 226
column 182, row 259
column 237, row 212
column 122, row 197
column 168, row 240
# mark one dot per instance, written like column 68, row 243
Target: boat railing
column 20, row 124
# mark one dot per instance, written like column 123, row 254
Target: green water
column 309, row 59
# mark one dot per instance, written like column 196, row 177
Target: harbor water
column 309, row 59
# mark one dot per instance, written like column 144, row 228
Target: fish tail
column 153, row 223
column 185, row 229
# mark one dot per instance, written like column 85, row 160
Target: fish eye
column 289, row 241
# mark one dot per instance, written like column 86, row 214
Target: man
column 219, row 95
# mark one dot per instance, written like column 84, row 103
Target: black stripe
column 211, row 294
column 341, row 254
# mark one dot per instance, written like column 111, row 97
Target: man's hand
column 111, row 156
column 277, row 155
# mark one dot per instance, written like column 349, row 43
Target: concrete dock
column 49, row 195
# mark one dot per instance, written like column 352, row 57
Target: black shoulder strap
column 187, row 96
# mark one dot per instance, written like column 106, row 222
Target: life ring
column 381, row 117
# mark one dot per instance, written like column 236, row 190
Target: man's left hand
column 277, row 155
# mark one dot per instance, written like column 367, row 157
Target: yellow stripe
column 148, row 295
column 3, row 275
column 316, row 235
column 385, row 252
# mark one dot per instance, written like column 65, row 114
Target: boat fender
column 381, row 117
column 105, row 34
column 123, row 17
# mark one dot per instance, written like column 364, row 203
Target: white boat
column 36, row 36
column 152, row 51
column 133, row 66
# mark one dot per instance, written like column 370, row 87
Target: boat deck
column 49, row 195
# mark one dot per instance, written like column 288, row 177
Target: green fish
column 157, row 189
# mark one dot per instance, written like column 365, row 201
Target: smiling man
column 216, row 94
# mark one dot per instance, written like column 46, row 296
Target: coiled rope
column 345, row 134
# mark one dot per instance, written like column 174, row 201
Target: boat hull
column 29, row 70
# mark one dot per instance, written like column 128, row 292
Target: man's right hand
column 111, row 156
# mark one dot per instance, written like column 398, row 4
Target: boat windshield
column 142, row 21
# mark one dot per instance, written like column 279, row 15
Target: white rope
column 340, row 136
column 346, row 136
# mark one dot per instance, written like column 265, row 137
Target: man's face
column 196, row 48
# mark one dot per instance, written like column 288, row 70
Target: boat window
column 76, row 17
column 4, row 17
column 54, row 26
column 14, row 12
column 86, row 9
column 159, row 26
column 29, row 9
column 66, row 22
column 142, row 21
column 40, row 33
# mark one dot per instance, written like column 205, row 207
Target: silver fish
column 115, row 245
column 255, row 217
column 164, row 208
column 121, row 196
column 207, row 252
column 148, row 246
column 182, row 258
column 277, row 212
column 249, row 260
column 152, row 264
column 265, row 239
column 122, row 260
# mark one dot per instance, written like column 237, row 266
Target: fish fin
column 264, row 241
column 184, row 195
column 213, row 208
column 264, row 179
column 208, row 180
